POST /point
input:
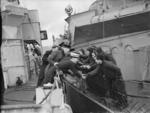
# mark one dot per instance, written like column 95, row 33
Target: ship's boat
column 86, row 101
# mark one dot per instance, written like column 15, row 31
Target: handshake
column 98, row 61
column 86, row 66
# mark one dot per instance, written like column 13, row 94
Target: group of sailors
column 33, row 55
column 97, row 68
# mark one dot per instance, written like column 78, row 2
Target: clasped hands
column 86, row 66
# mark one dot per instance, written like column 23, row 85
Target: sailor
column 68, row 62
column 56, row 56
column 88, row 63
column 107, row 71
column 42, row 67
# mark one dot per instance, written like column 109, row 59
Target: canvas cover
column 123, row 25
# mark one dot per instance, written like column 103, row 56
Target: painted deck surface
column 24, row 96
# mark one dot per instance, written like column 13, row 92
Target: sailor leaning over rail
column 106, row 78
column 68, row 62
column 43, row 67
column 99, row 70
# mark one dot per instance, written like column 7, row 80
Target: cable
column 58, row 76
column 103, row 23
column 46, row 96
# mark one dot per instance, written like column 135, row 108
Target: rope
column 46, row 96
column 57, row 85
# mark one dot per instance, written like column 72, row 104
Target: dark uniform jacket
column 42, row 68
column 56, row 56
column 108, row 66
column 112, row 77
column 45, row 57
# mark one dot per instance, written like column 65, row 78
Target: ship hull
column 83, row 102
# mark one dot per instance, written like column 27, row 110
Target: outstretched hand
column 86, row 66
column 55, row 64
column 99, row 61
